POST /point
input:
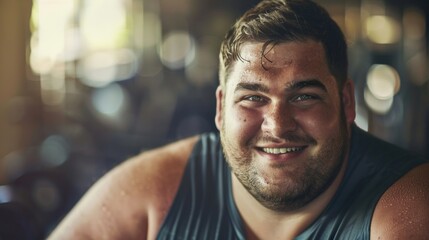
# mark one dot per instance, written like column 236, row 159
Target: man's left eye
column 304, row 97
column 254, row 98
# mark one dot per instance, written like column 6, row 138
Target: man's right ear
column 219, row 107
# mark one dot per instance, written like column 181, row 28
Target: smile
column 282, row 150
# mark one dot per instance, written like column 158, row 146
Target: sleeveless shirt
column 204, row 207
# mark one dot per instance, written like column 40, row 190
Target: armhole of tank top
column 387, row 184
column 333, row 203
column 182, row 189
column 232, row 208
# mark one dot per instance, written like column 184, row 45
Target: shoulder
column 155, row 173
column 132, row 199
column 403, row 210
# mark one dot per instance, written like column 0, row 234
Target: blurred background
column 85, row 84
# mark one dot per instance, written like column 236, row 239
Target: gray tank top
column 204, row 207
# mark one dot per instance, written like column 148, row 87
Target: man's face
column 284, row 126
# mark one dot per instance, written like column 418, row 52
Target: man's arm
column 403, row 210
column 131, row 201
column 102, row 212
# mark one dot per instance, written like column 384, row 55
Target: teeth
column 281, row 150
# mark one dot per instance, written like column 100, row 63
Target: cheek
column 319, row 122
column 242, row 123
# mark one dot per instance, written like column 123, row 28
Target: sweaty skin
column 270, row 123
column 293, row 120
column 131, row 201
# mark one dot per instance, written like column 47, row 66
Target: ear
column 348, row 99
column 219, row 107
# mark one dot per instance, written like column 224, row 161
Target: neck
column 263, row 223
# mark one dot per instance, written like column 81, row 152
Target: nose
column 279, row 120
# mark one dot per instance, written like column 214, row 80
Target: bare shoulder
column 403, row 210
column 131, row 200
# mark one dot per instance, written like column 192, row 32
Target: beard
column 284, row 187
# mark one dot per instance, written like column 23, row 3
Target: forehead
column 294, row 53
column 283, row 62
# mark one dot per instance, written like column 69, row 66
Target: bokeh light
column 50, row 20
column 382, row 83
column 99, row 69
column 54, row 150
column 104, row 24
column 177, row 50
column 91, row 74
column 377, row 105
column 382, row 29
column 6, row 194
column 46, row 195
column 111, row 105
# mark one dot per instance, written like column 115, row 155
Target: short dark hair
column 277, row 21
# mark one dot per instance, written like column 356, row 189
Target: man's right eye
column 254, row 98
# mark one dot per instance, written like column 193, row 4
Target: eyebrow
column 256, row 87
column 293, row 86
column 297, row 85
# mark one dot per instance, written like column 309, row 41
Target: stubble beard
column 302, row 185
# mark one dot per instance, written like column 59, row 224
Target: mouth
column 282, row 150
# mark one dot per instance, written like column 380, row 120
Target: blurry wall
column 86, row 84
column 14, row 34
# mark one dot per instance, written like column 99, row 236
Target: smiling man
column 270, row 123
column 288, row 163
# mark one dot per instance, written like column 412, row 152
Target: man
column 295, row 165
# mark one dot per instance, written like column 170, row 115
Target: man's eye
column 304, row 97
column 254, row 98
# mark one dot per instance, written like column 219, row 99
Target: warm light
column 380, row 106
column 177, row 50
column 103, row 24
column 383, row 81
column 50, row 20
column 104, row 67
column 382, row 84
column 382, row 29
column 97, row 69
